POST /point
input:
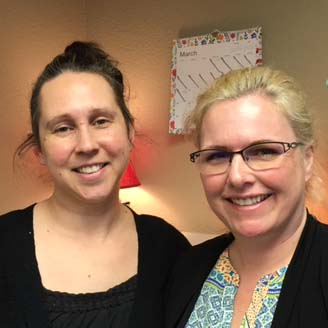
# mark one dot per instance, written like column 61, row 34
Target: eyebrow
column 57, row 119
column 92, row 114
column 103, row 112
column 225, row 148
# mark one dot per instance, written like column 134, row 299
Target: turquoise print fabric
column 214, row 307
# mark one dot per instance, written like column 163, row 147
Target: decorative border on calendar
column 215, row 37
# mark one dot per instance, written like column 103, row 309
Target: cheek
column 213, row 185
column 116, row 143
column 55, row 154
column 282, row 181
column 273, row 182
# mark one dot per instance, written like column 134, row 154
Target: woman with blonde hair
column 255, row 140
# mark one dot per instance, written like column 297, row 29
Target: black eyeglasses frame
column 287, row 146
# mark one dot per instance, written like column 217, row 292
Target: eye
column 63, row 130
column 101, row 122
column 264, row 152
column 215, row 156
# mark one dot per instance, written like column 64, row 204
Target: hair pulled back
column 282, row 89
column 79, row 56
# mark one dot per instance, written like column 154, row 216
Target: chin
column 98, row 194
column 251, row 230
column 252, row 234
column 95, row 197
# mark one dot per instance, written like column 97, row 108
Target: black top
column 22, row 294
column 303, row 301
column 109, row 309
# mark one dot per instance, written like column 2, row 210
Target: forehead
column 237, row 123
column 75, row 91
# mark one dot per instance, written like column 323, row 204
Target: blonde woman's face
column 255, row 203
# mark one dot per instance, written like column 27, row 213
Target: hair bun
column 85, row 52
column 75, row 47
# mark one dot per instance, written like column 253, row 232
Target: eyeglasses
column 260, row 156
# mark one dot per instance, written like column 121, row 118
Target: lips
column 90, row 169
column 249, row 201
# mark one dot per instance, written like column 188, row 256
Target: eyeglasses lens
column 258, row 157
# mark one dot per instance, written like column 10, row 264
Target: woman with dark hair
column 81, row 258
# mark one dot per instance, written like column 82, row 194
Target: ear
column 38, row 153
column 308, row 162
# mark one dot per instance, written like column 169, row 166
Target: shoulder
column 321, row 239
column 14, row 235
column 206, row 252
column 204, row 255
column 314, row 243
column 152, row 220
column 323, row 227
column 15, row 227
column 159, row 242
column 216, row 243
column 188, row 275
column 320, row 229
column 16, row 218
column 157, row 228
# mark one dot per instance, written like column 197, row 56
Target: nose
column 86, row 141
column 239, row 174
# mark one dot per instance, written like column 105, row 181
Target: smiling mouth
column 90, row 169
column 249, row 201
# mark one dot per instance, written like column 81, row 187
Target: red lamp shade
column 129, row 178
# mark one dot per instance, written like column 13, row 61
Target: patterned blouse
column 214, row 306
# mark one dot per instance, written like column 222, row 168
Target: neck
column 82, row 217
column 264, row 255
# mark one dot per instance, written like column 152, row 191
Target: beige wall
column 31, row 32
column 139, row 34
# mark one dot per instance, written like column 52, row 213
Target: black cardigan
column 303, row 301
column 21, row 291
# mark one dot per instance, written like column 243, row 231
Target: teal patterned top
column 214, row 306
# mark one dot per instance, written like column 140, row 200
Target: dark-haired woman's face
column 83, row 135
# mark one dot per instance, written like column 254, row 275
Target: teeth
column 249, row 201
column 89, row 169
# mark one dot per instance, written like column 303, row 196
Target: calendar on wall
column 198, row 61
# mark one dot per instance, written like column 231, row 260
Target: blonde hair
column 284, row 92
column 282, row 89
